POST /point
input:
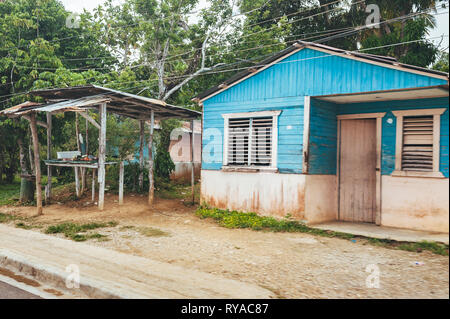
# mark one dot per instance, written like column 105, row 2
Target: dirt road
column 292, row 265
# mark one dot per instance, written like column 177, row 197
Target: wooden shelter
column 80, row 99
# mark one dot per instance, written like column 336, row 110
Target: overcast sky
column 442, row 19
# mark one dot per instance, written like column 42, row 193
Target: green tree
column 442, row 62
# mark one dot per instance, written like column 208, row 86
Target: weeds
column 78, row 232
column 234, row 219
column 5, row 218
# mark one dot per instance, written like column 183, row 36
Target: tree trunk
column 26, row 184
column 30, row 153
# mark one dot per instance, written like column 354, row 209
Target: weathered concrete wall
column 270, row 194
column 415, row 203
column 320, row 198
column 180, row 150
column 182, row 172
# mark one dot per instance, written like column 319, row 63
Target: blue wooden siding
column 310, row 72
column 290, row 131
column 322, row 138
column 283, row 87
column 389, row 130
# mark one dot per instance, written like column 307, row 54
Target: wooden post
column 87, row 137
column 150, row 161
column 77, row 181
column 77, row 132
column 141, row 155
column 84, row 170
column 48, row 191
column 93, row 184
column 192, row 163
column 30, row 152
column 102, row 156
column 37, row 166
column 121, row 169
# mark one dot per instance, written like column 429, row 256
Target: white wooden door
column 357, row 174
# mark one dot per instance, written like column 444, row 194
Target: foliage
column 9, row 193
column 330, row 22
column 235, row 219
column 164, row 165
column 442, row 63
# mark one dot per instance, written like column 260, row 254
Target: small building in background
column 180, row 151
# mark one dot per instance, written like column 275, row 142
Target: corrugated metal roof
column 73, row 105
column 23, row 107
column 388, row 61
column 121, row 103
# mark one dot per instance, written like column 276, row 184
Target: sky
column 441, row 29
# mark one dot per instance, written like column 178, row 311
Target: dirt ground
column 292, row 265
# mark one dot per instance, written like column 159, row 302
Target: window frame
column 436, row 113
column 274, row 150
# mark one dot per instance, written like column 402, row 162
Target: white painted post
column 141, row 155
column 102, row 156
column 150, row 161
column 77, row 182
column 48, row 192
column 37, row 165
column 93, row 185
column 192, row 163
column 121, row 169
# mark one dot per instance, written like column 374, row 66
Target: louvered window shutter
column 250, row 141
column 417, row 152
column 261, row 151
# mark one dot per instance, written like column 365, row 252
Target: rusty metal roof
column 118, row 102
column 80, row 98
column 20, row 109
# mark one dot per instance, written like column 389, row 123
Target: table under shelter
column 81, row 99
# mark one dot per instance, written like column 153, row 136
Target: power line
column 261, row 65
column 358, row 29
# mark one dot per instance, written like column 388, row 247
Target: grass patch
column 437, row 248
column 173, row 190
column 24, row 226
column 151, row 232
column 9, row 193
column 79, row 232
column 234, row 219
column 5, row 218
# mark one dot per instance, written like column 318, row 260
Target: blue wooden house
column 324, row 134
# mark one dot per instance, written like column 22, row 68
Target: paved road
column 10, row 292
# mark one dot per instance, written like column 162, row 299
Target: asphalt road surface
column 10, row 292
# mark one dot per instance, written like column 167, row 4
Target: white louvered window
column 417, row 153
column 250, row 141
